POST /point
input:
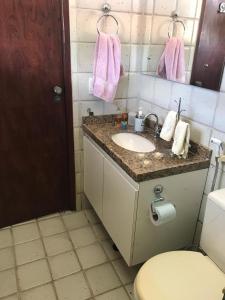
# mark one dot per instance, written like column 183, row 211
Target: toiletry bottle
column 139, row 121
column 124, row 120
column 118, row 118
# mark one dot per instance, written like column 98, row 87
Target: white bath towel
column 169, row 125
column 181, row 139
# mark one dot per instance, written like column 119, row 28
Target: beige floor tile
column 25, row 233
column 102, row 278
column 7, row 259
column 29, row 252
column 118, row 294
column 126, row 274
column 82, row 237
column 108, row 247
column 57, row 244
column 75, row 220
column 100, row 232
column 49, row 216
column 91, row 216
column 44, row 292
column 64, row 264
column 130, row 290
column 5, row 238
column 7, row 283
column 13, row 297
column 91, row 255
column 51, row 226
column 33, row 274
column 73, row 287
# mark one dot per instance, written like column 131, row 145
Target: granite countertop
column 144, row 166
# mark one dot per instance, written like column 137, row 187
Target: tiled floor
column 65, row 256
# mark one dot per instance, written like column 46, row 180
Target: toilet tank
column 213, row 230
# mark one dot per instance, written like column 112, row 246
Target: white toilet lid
column 179, row 275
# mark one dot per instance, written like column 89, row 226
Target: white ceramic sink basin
column 133, row 142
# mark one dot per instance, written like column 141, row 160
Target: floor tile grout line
column 74, row 249
column 46, row 258
column 15, row 262
column 83, row 272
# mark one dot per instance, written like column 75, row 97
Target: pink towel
column 172, row 63
column 107, row 66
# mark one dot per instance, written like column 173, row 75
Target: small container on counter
column 124, row 121
column 118, row 120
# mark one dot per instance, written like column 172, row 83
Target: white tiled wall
column 83, row 17
column 204, row 110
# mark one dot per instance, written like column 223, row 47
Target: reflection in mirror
column 184, row 42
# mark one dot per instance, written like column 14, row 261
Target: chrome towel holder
column 175, row 20
column 106, row 8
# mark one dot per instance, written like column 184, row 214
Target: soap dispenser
column 139, row 121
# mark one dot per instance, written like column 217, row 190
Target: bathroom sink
column 133, row 142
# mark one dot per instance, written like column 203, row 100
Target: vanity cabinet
column 119, row 206
column 123, row 205
column 93, row 175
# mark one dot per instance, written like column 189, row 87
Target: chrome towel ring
column 174, row 21
column 106, row 8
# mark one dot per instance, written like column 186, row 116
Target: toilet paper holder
column 158, row 189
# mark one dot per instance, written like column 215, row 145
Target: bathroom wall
column 205, row 109
column 83, row 17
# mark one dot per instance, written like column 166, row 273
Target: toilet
column 187, row 275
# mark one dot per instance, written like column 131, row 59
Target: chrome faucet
column 156, row 129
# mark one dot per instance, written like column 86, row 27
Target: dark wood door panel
column 209, row 58
column 35, row 145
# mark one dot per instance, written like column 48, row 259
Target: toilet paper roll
column 162, row 212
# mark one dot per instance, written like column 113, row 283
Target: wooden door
column 209, row 57
column 36, row 152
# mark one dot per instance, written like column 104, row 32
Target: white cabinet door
column 119, row 207
column 93, row 175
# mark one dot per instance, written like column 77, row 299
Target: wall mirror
column 201, row 26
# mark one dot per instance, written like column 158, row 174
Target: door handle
column 58, row 91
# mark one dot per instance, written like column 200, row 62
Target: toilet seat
column 179, row 275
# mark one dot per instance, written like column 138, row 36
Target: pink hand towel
column 107, row 66
column 172, row 63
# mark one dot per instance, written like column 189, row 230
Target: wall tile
column 73, row 24
column 75, row 85
column 187, row 8
column 184, row 92
column 162, row 93
column 220, row 182
column 143, row 6
column 85, row 57
column 220, row 136
column 145, row 107
column 203, row 105
column 112, row 108
column 155, row 53
column 222, row 87
column 200, row 133
column 160, row 112
column 73, row 49
column 132, row 104
column 199, row 8
column 95, row 106
column 219, row 122
column 122, row 90
column 117, row 5
column 146, row 87
column 134, row 85
column 83, row 87
column 160, row 29
column 141, row 29
column 163, row 7
column 88, row 33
